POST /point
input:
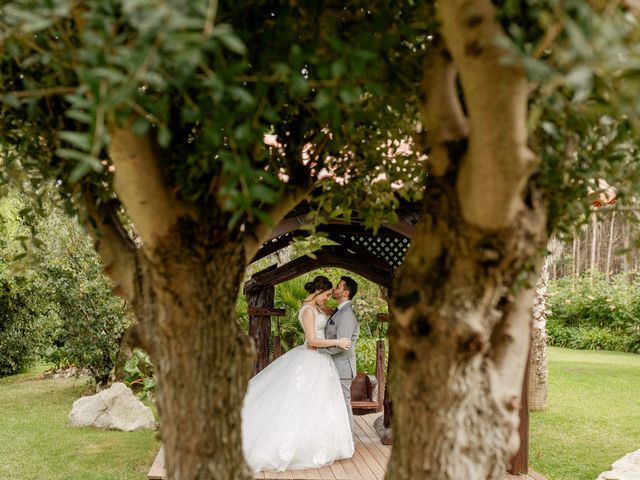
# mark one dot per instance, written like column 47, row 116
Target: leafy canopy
column 208, row 81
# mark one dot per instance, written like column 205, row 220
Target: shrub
column 23, row 325
column 558, row 335
column 597, row 338
column 594, row 301
column 593, row 313
column 93, row 321
column 366, row 355
column 61, row 306
column 139, row 375
column 58, row 356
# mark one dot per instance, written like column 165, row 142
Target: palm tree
column 537, row 396
column 289, row 295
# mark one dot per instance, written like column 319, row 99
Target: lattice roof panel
column 391, row 249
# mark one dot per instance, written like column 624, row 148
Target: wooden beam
column 380, row 374
column 261, row 299
column 276, row 244
column 519, row 463
column 287, row 225
column 325, row 257
column 403, row 227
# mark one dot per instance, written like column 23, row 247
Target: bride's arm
column 308, row 323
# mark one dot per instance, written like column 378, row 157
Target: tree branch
column 139, row 184
column 512, row 334
column 498, row 163
column 442, row 113
column 43, row 92
column 117, row 250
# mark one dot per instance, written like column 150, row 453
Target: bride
column 294, row 415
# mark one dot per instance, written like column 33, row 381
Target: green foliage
column 366, row 355
column 23, row 326
column 25, row 323
column 57, row 302
column 367, row 305
column 139, row 375
column 202, row 84
column 58, row 356
column 595, row 314
column 583, row 123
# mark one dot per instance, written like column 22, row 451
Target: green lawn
column 36, row 441
column 592, row 419
column 592, row 416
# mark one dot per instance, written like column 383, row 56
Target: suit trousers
column 345, row 383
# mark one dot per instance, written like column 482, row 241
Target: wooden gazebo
column 375, row 257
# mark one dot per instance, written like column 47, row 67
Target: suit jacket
column 343, row 324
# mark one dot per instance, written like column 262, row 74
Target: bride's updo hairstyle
column 320, row 283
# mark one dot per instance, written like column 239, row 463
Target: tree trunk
column 186, row 304
column 537, row 392
column 610, row 244
column 594, row 244
column 462, row 303
column 260, row 325
column 459, row 342
column 578, row 258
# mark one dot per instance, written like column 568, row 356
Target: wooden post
column 388, row 410
column 380, row 373
column 519, row 463
column 260, row 325
column 277, row 347
column 388, row 406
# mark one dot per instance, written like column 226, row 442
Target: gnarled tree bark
column 203, row 360
column 182, row 279
column 462, row 303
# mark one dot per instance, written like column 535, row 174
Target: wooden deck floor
column 369, row 461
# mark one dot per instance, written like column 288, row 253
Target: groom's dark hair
column 351, row 285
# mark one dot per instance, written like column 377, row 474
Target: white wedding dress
column 294, row 415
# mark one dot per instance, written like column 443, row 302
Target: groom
column 343, row 324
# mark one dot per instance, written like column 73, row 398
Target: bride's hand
column 343, row 343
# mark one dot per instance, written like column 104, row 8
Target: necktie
column 331, row 322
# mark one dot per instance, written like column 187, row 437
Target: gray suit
column 343, row 324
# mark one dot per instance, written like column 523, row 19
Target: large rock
column 627, row 468
column 116, row 408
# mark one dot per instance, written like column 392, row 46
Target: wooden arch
column 330, row 256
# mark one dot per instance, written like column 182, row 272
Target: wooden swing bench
column 364, row 394
column 367, row 391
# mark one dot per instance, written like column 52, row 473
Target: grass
column 592, row 416
column 592, row 419
column 37, row 442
